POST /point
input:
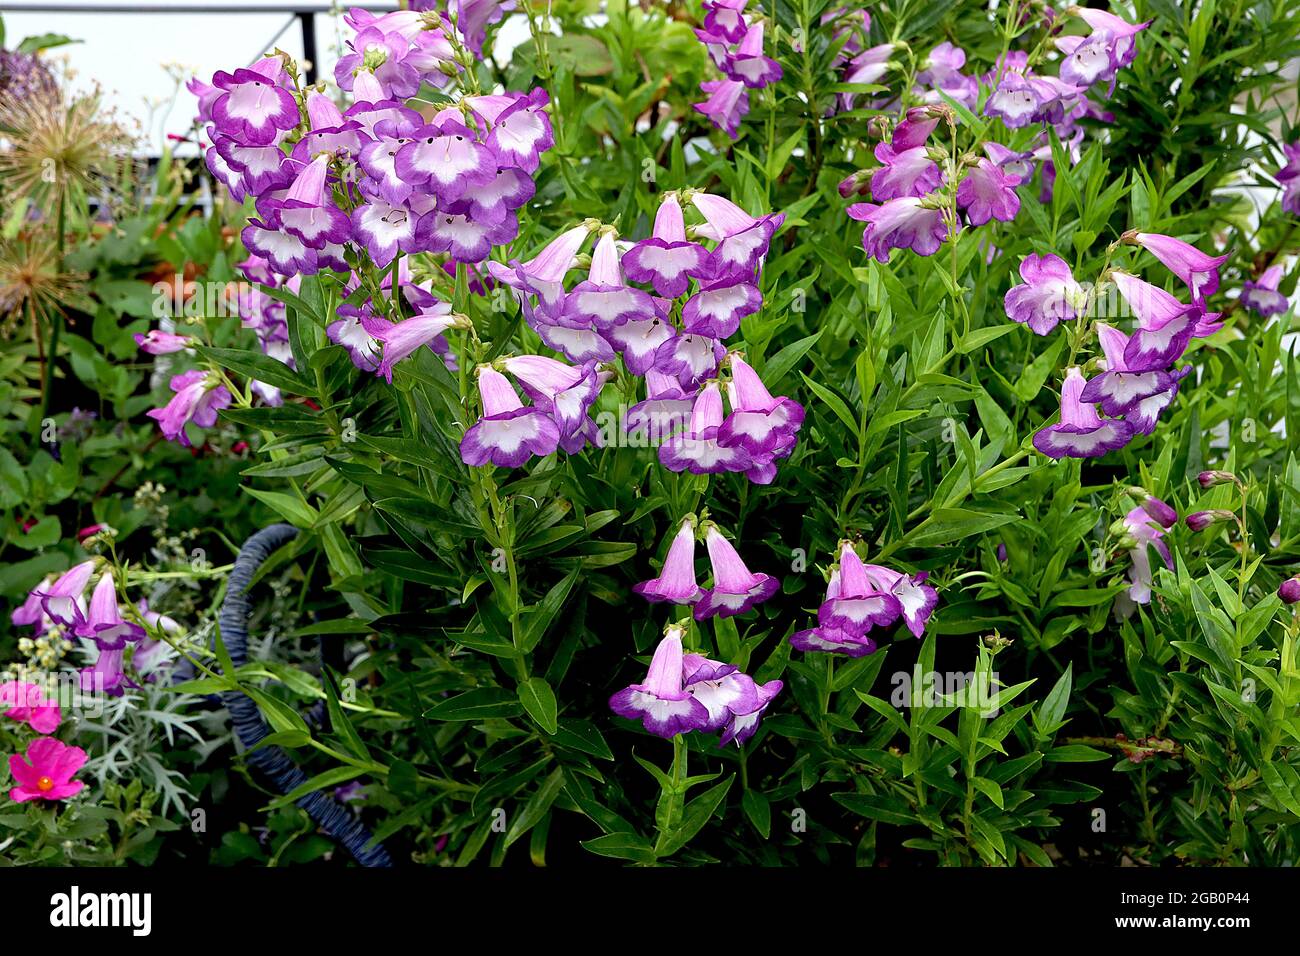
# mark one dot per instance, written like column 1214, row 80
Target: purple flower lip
column 664, row 708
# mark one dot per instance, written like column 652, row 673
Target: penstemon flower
column 509, row 433
column 1048, row 296
column 103, row 623
column 1198, row 270
column 63, row 601
column 1081, row 432
column 1144, row 530
column 199, row 396
column 661, row 703
column 676, row 581
column 906, row 223
column 1261, row 295
column 735, row 588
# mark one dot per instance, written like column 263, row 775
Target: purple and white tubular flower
column 400, row 340
column 661, row 702
column 1199, row 271
column 667, row 260
column 509, row 433
column 904, row 223
column 685, row 692
column 1142, row 528
column 861, row 598
column 103, row 623
column 63, row 601
column 199, row 397
column 676, row 581
column 1048, row 296
column 1288, row 178
column 1261, row 295
column 1081, row 432
column 735, row 589
column 698, row 449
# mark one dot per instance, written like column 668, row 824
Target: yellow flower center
column 44, row 784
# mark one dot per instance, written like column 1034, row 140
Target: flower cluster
column 677, row 347
column 351, row 189
column 861, row 598
column 735, row 45
column 1138, row 381
column 917, row 200
column 685, row 692
column 60, row 605
column 909, row 180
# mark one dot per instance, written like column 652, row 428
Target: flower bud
column 1209, row 479
column 1289, row 591
column 1200, row 520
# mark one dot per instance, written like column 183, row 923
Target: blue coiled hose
column 250, row 727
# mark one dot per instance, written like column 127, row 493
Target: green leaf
column 539, row 700
column 482, row 704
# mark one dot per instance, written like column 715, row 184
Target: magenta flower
column 1146, row 531
column 1120, row 390
column 1115, row 31
column 402, row 339
column 47, row 771
column 742, row 240
column 727, row 104
column 717, row 308
column 697, row 449
column 509, row 433
column 725, row 18
column 905, row 172
column 254, row 106
column 942, row 74
column 1081, row 433
column 735, row 589
column 900, row 224
column 857, row 605
column 384, row 229
column 664, row 708
column 103, row 623
column 307, row 212
column 749, row 65
column 1165, row 325
column 666, row 260
column 721, row 688
column 676, row 580
column 604, row 300
column 743, row 726
column 27, row 704
column 522, row 131
column 62, row 601
column 1289, row 590
column 1049, row 296
column 665, row 410
column 106, row 675
column 1198, row 270
column 690, row 358
column 916, row 598
column 198, row 398
column 446, row 159
column 759, row 423
column 158, row 342
column 1261, row 295
column 1289, row 177
column 1200, row 520
column 987, row 192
